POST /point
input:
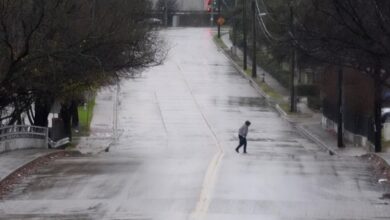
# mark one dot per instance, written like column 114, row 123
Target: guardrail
column 23, row 131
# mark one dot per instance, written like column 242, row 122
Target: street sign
column 221, row 21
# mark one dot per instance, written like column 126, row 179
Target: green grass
column 270, row 92
column 385, row 144
column 220, row 43
column 285, row 107
column 248, row 72
column 85, row 117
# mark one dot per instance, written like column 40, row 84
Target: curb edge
column 316, row 140
column 14, row 171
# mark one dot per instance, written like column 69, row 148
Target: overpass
column 189, row 5
column 187, row 13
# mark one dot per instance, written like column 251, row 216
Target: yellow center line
column 209, row 179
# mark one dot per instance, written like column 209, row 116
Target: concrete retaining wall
column 18, row 137
column 22, row 143
column 355, row 139
column 386, row 131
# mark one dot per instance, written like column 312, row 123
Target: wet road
column 175, row 157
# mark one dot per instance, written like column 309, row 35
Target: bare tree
column 56, row 50
column 344, row 33
column 350, row 33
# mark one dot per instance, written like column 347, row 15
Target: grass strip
column 85, row 117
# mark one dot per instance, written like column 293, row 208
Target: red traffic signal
column 209, row 2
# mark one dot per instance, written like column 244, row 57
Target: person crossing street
column 242, row 133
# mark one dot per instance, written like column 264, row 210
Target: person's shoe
column 245, row 152
column 237, row 150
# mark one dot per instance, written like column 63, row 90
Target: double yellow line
column 209, row 179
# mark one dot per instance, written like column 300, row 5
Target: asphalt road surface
column 175, row 157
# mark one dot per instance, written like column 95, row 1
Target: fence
column 22, row 137
column 356, row 126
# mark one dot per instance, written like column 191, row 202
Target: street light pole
column 219, row 16
column 244, row 33
column 340, row 109
column 254, row 63
column 235, row 25
column 292, row 77
column 166, row 13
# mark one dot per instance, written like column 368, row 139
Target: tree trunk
column 15, row 116
column 245, row 34
column 254, row 58
column 42, row 111
column 340, row 142
column 293, row 106
column 378, row 111
column 74, row 114
column 29, row 115
column 65, row 115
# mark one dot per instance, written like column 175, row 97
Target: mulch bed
column 7, row 184
column 381, row 168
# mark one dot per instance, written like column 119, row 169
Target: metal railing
column 23, row 131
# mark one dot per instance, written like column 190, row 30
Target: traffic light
column 212, row 5
column 215, row 6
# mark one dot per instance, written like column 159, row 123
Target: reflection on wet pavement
column 175, row 158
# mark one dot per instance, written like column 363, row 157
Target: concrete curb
column 20, row 168
column 382, row 168
column 315, row 139
column 377, row 158
column 283, row 113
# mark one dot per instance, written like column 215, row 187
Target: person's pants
column 242, row 143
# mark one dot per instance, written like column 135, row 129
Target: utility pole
column 254, row 63
column 340, row 142
column 293, row 107
column 219, row 16
column 235, row 25
column 93, row 12
column 212, row 15
column 166, row 13
column 244, row 32
column 378, row 110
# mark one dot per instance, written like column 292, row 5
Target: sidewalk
column 309, row 123
column 11, row 161
column 101, row 136
column 313, row 129
column 102, row 128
